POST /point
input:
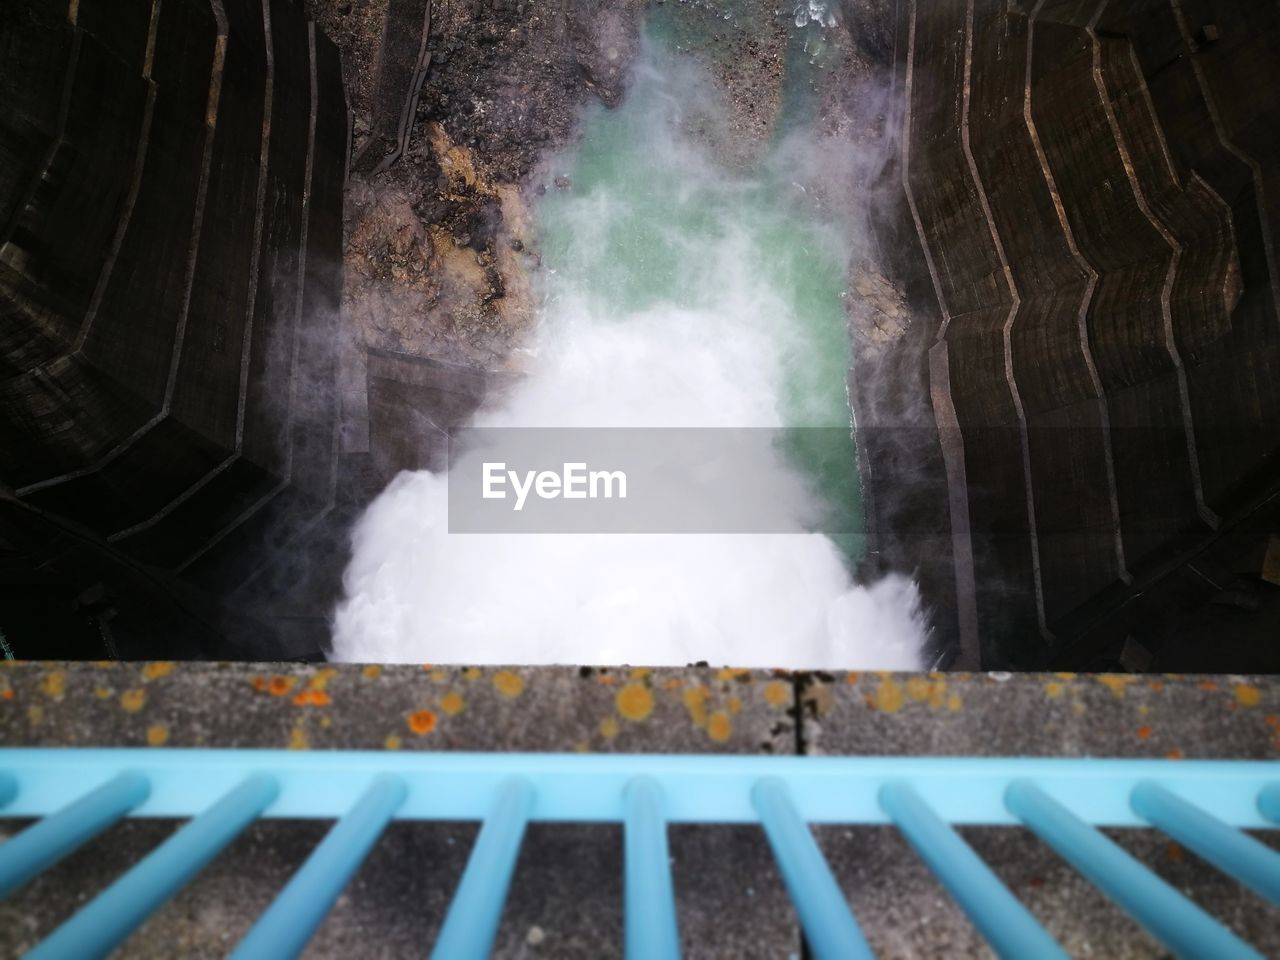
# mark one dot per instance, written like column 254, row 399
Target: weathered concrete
column 566, row 899
column 567, row 894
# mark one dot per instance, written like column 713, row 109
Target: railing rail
column 79, row 793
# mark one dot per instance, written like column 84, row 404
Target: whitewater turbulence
column 675, row 294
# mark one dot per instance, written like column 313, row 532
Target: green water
column 649, row 210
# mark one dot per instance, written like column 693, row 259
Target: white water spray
column 680, row 297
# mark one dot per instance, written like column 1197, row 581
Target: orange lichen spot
column 1272, row 720
column 888, row 697
column 312, row 698
column 1143, row 732
column 937, row 694
column 471, row 673
column 607, row 680
column 259, row 683
column 509, row 684
column 671, row 683
column 6, row 694
column 734, row 704
column 1207, row 685
column 1247, row 695
column 634, row 701
column 452, row 703
column 639, row 673
column 851, row 678
column 1173, row 851
column 1115, row 682
column 695, row 701
column 918, row 689
column 157, row 669
column 133, row 700
column 320, row 679
column 609, row 727
column 954, row 702
column 1174, row 755
column 731, row 673
column 298, row 738
column 373, row 671
column 1053, row 689
column 428, row 666
column 439, row 676
column 54, row 684
column 392, row 742
column 719, row 726
column 1155, row 685
column 777, row 693
column 422, row 722
column 1065, row 676
column 278, row 686
column 157, row 735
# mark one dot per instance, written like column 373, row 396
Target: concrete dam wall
column 1069, row 441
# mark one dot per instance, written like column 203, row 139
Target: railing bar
column 8, row 788
column 828, row 923
column 1269, row 802
column 292, row 919
column 109, row 918
column 652, row 932
column 1174, row 919
column 1231, row 851
column 472, row 921
column 999, row 916
column 46, row 842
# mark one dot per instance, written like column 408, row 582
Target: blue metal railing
column 79, row 793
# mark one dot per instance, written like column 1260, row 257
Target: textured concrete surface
column 566, row 899
column 1116, row 715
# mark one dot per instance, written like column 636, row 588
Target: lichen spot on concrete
column 509, row 684
column 735, row 705
column 54, row 684
column 157, row 669
column 695, row 701
column 452, row 703
column 131, row 701
column 298, row 738
column 635, row 702
column 888, row 696
column 852, row 677
column 954, row 703
column 1053, row 689
column 471, row 673
column 422, row 722
column 719, row 726
column 320, row 679
column 1144, row 732
column 609, row 727
column 776, row 693
column 8, row 694
column 278, row 686
column 392, row 742
column 1115, row 683
column 371, row 672
column 311, row 698
column 1247, row 695
column 918, row 689
column 157, row 735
